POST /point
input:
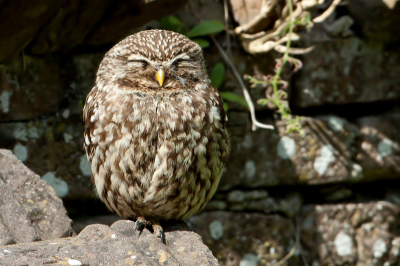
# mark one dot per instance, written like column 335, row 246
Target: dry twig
column 246, row 93
column 288, row 256
column 265, row 41
column 226, row 16
column 327, row 12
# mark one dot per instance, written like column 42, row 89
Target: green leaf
column 225, row 106
column 233, row 97
column 172, row 23
column 205, row 28
column 203, row 43
column 217, row 75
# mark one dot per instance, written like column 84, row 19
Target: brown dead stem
column 273, row 39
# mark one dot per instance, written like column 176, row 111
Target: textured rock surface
column 324, row 154
column 29, row 208
column 245, row 238
column 115, row 245
column 20, row 29
column 352, row 234
column 82, row 222
column 30, row 89
column 52, row 148
column 347, row 71
column 380, row 145
column 378, row 20
column 256, row 201
column 50, row 144
column 47, row 26
column 337, row 234
column 332, row 150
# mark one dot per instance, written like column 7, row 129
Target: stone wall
column 330, row 195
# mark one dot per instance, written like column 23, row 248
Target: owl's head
column 153, row 60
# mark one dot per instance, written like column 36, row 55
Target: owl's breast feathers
column 156, row 154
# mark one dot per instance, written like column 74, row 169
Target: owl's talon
column 139, row 225
column 158, row 231
column 161, row 232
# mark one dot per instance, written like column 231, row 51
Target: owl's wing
column 88, row 112
column 218, row 102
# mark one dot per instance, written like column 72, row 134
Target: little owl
column 155, row 130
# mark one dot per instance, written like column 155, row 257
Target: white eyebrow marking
column 182, row 56
column 136, row 57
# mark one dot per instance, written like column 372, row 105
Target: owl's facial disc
column 178, row 71
column 135, row 63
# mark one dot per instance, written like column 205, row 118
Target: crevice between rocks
column 349, row 111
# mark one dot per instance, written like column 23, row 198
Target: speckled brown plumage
column 156, row 151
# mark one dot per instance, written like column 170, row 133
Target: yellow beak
column 160, row 75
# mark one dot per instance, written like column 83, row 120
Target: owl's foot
column 140, row 224
column 158, row 231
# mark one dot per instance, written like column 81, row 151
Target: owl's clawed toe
column 159, row 232
column 140, row 224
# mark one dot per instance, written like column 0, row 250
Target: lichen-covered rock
column 29, row 208
column 324, row 154
column 347, row 71
column 35, row 87
column 332, row 150
column 380, row 145
column 351, row 234
column 115, row 245
column 245, row 238
column 52, row 148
